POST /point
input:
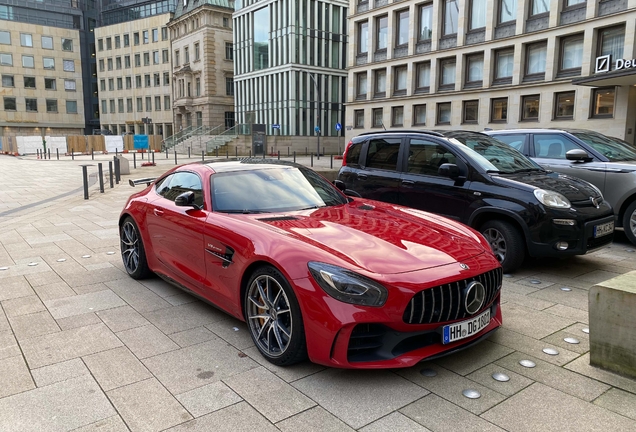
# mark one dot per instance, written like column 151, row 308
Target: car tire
column 629, row 222
column 506, row 243
column 273, row 317
column 133, row 253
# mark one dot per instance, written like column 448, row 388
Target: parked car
column 472, row 178
column 606, row 162
column 348, row 282
column 102, row 132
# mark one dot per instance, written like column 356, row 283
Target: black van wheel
column 506, row 243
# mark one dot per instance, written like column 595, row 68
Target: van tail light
column 344, row 155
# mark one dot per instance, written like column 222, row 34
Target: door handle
column 408, row 182
column 362, row 176
column 157, row 212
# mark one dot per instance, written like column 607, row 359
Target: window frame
column 31, row 79
column 535, row 76
column 398, row 28
column 359, row 76
column 493, row 101
column 601, row 38
column 471, row 12
column 26, row 104
column 379, row 31
column 24, row 57
column 445, row 16
column 52, row 81
column 438, row 111
column 418, row 70
column 48, row 38
column 524, row 100
column 465, row 106
column 499, row 13
column 376, row 89
column 397, row 70
column 27, row 40
column 467, row 65
column 441, row 86
column 6, row 99
column 594, row 101
column 12, row 77
column 394, row 113
column 374, row 117
column 357, row 115
column 416, row 111
column 531, row 14
column 363, row 40
column 557, row 96
column 575, row 71
column 428, row 6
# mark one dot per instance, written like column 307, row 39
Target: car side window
column 425, row 157
column 353, row 154
column 383, row 153
column 552, row 146
column 515, row 141
column 176, row 184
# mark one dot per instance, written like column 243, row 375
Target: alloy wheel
column 130, row 247
column 269, row 315
column 497, row 243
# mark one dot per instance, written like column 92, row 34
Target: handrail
column 228, row 135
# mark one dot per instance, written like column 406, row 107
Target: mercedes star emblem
column 475, row 297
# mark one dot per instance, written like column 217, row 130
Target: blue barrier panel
column 140, row 142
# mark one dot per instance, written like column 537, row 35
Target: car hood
column 381, row 238
column 574, row 189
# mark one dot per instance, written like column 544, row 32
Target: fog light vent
column 562, row 245
column 568, row 222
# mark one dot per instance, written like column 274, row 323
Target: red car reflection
column 346, row 282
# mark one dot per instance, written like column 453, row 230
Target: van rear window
column 353, row 154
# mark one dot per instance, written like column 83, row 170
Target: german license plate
column 464, row 329
column 603, row 229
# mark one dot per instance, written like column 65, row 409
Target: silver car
column 606, row 162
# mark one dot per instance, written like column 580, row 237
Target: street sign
column 338, row 126
column 317, row 129
column 275, row 126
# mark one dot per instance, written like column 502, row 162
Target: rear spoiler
column 147, row 180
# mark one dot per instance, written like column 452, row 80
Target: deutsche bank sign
column 604, row 64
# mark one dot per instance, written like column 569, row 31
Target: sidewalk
column 85, row 347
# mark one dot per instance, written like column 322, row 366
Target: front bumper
column 350, row 336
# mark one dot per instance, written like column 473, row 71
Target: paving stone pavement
column 83, row 347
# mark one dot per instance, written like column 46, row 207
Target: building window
column 140, row 104
column 530, row 108
column 603, row 102
column 5, row 37
column 111, row 84
column 71, row 107
column 470, row 112
column 147, row 81
column 166, row 78
column 538, row 7
column 50, row 84
column 146, row 59
column 261, row 39
column 26, row 40
column 378, row 120
column 226, row 22
column 9, row 104
column 380, row 83
column 120, row 83
column 399, row 81
column 126, row 40
column 157, row 103
column 100, row 44
column 70, row 85
column 47, row 42
column 571, row 55
column 186, row 55
column 397, row 116
column 444, row 113
column 535, row 61
column 128, row 82
column 419, row 115
column 127, row 62
column 29, row 82
column 478, row 10
column 137, row 60
column 31, row 104
column 197, row 52
column 197, row 87
column 51, row 105
column 164, row 33
column 611, row 42
column 117, row 41
column 447, row 75
column 120, row 105
column 118, row 63
column 176, row 58
column 358, row 119
column 507, row 11
column 129, row 105
column 67, row 44
column 155, row 35
column 229, row 51
column 451, row 15
column 498, row 110
column 155, row 57
column 504, row 64
column 166, row 103
column 102, row 85
column 361, row 85
column 137, row 81
column 6, row 60
column 8, row 81
column 229, row 86
column 28, row 61
column 570, row 3
column 148, row 103
column 363, row 37
column 109, row 43
column 423, row 77
column 145, row 36
column 165, row 56
column 564, row 106
column 110, row 64
column 402, row 33
column 474, row 70
column 382, row 33
column 426, row 22
column 136, row 38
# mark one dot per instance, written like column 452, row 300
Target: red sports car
column 347, row 282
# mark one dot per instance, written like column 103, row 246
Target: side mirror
column 340, row 185
column 578, row 155
column 186, row 199
column 449, row 170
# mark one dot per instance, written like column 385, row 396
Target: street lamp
column 317, row 129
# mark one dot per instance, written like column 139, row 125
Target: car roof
column 437, row 133
column 534, row 130
column 245, row 164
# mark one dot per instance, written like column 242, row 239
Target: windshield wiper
column 244, row 211
column 529, row 170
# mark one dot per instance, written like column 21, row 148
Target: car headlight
column 598, row 191
column 552, row 199
column 347, row 286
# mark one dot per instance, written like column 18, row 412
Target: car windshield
column 492, row 155
column 612, row 148
column 272, row 189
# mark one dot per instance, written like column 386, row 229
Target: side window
column 552, row 146
column 383, row 153
column 515, row 141
column 176, row 184
column 425, row 157
column 353, row 154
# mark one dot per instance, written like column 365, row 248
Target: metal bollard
column 135, row 160
column 278, row 154
column 110, row 173
column 250, row 153
column 72, row 155
column 306, row 151
column 189, row 149
column 312, row 160
column 236, row 152
column 294, row 156
column 264, row 151
column 153, row 157
column 166, row 152
column 331, row 161
column 101, row 177
column 217, row 151
column 142, row 155
column 49, row 151
column 37, row 153
column 117, row 171
column 85, row 179
column 92, row 155
column 227, row 153
column 202, row 155
column 175, row 157
column 115, row 151
column 57, row 153
column 287, row 151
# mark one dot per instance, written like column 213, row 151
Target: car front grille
column 446, row 302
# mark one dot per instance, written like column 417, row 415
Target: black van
column 519, row 207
